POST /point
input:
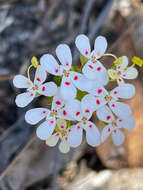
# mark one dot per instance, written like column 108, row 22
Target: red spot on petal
column 97, row 102
column 99, row 91
column 62, row 126
column 57, row 134
column 58, row 102
column 87, row 110
column 115, row 131
column 51, row 121
column 64, row 112
column 86, row 52
column 31, row 94
column 99, row 68
column 90, row 66
column 66, row 138
column 77, row 113
column 108, row 117
column 113, row 105
column 119, row 80
column 78, row 127
column 43, row 111
column 43, row 88
column 56, row 70
column 124, row 75
column 109, row 129
column 115, row 92
column 38, row 79
column 69, row 130
column 67, row 83
column 119, row 67
column 120, row 120
column 90, row 126
column 76, row 78
column 67, row 63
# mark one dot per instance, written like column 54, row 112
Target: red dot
column 99, row 68
column 109, row 130
column 56, row 70
column 86, row 52
column 64, row 112
column 115, row 131
column 115, row 92
column 43, row 111
column 51, row 121
column 90, row 126
column 67, row 83
column 113, row 105
column 58, row 102
column 77, row 113
column 76, row 78
column 108, row 117
column 78, row 127
column 90, row 66
column 67, row 63
column 99, row 91
column 119, row 67
column 62, row 126
column 120, row 80
column 66, row 138
column 57, row 134
column 87, row 110
column 124, row 75
column 43, row 88
column 31, row 94
column 120, row 120
column 38, row 79
column 69, row 130
column 98, row 102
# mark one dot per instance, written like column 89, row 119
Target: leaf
column 37, row 94
column 68, row 123
column 83, row 60
column 76, row 69
column 80, row 94
column 49, row 100
column 58, row 80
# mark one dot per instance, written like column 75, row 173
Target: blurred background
column 34, row 27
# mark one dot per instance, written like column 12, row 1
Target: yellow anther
column 34, row 62
column 137, row 61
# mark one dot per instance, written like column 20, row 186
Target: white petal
column 98, row 90
column 118, row 137
column 73, row 108
column 64, row 146
column 120, row 109
column 88, row 105
column 61, row 124
column 106, row 132
column 48, row 89
column 68, row 91
column 95, row 71
column 124, row 63
column 24, row 99
column 83, row 45
column 45, row 130
column 80, row 81
column 64, row 55
column 130, row 73
column 40, row 75
column 100, row 46
column 21, row 81
column 113, row 74
column 75, row 135
column 50, row 64
column 127, row 123
column 120, row 81
column 124, row 91
column 35, row 115
column 52, row 141
column 105, row 114
column 63, row 113
column 57, row 102
column 92, row 134
column 99, row 102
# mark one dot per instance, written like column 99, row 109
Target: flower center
column 35, row 87
column 84, row 119
column 108, row 98
column 65, row 73
column 114, row 124
column 53, row 113
column 93, row 59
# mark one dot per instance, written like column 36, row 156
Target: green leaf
column 83, row 60
column 58, row 80
column 76, row 69
column 37, row 94
column 80, row 94
column 68, row 123
column 49, row 100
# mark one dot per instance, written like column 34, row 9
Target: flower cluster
column 78, row 92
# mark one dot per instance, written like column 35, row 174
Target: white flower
column 45, row 130
column 46, row 89
column 61, row 134
column 70, row 79
column 93, row 69
column 82, row 112
column 122, row 71
column 103, row 97
column 114, row 126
